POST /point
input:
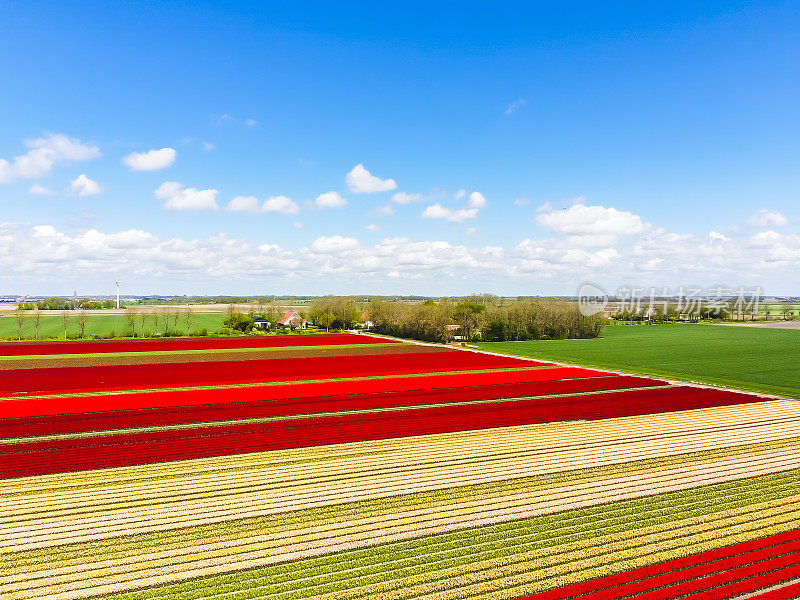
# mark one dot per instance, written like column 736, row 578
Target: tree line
column 485, row 318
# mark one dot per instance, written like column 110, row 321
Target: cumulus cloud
column 330, row 200
column 243, row 204
column 251, row 204
column 83, row 186
column 767, row 218
column 437, row 211
column 580, row 219
column 43, row 154
column 280, row 204
column 334, row 244
column 361, row 181
column 176, row 197
column 151, row 160
column 475, row 202
column 31, row 254
column 404, row 198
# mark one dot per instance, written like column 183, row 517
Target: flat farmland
column 746, row 358
column 103, row 323
column 355, row 467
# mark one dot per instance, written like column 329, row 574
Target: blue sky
column 609, row 142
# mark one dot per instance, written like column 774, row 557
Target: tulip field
column 353, row 466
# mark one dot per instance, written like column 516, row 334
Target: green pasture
column 746, row 358
column 52, row 327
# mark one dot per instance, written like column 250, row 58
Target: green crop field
column 51, row 326
column 746, row 358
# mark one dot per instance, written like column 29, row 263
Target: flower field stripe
column 48, row 406
column 557, row 560
column 50, row 532
column 700, row 523
column 655, row 576
column 66, row 379
column 608, row 515
column 538, row 436
column 120, row 419
column 33, row 458
column 477, row 534
column 82, row 526
column 514, row 506
column 177, row 344
column 684, row 433
column 730, row 583
column 783, row 592
column 455, row 473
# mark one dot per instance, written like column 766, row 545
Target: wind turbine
column 116, row 282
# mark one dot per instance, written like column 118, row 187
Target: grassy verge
column 758, row 360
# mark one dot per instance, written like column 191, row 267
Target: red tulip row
column 54, row 456
column 148, row 376
column 181, row 344
column 273, row 405
column 30, row 407
column 722, row 573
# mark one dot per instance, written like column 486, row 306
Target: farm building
column 292, row 320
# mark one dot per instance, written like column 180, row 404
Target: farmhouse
column 292, row 320
column 261, row 323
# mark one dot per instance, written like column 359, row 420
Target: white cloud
column 372, row 228
column 150, row 160
column 404, row 198
column 177, row 197
column 250, row 122
column 515, row 106
column 437, row 211
column 297, row 225
column 767, row 218
column 715, row 236
column 361, row 181
column 580, row 219
column 40, row 190
column 83, row 186
column 44, row 256
column 476, row 200
column 460, row 194
column 46, row 151
column 243, row 204
column 330, row 200
column 521, row 202
column 280, row 204
column 334, row 244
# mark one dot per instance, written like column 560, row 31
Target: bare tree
column 188, row 314
column 20, row 316
column 164, row 313
column 156, row 319
column 37, row 322
column 82, row 319
column 65, row 314
column 175, row 316
column 130, row 317
column 142, row 322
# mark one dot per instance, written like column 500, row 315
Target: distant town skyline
column 243, row 148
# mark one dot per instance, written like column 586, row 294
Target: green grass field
column 52, row 327
column 760, row 360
